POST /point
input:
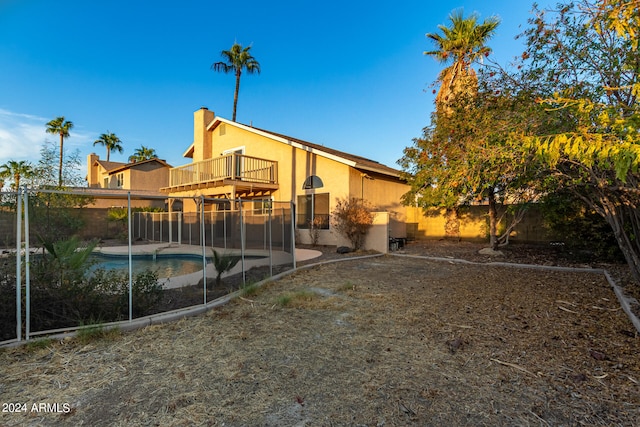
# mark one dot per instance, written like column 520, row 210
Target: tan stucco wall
column 294, row 164
column 474, row 225
column 92, row 171
column 106, row 203
column 201, row 137
column 149, row 176
column 340, row 179
column 384, row 194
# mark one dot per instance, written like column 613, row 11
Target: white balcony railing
column 231, row 166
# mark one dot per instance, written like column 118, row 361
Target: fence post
column 282, row 226
column 179, row 227
column 203, row 247
column 293, row 233
column 27, row 277
column 242, row 243
column 18, row 264
column 130, row 256
column 170, row 222
column 270, row 243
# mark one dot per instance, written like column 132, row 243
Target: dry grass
column 384, row 341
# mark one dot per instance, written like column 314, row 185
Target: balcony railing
column 231, row 167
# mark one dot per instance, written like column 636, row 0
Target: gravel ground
column 378, row 341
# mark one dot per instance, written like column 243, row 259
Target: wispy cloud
column 22, row 136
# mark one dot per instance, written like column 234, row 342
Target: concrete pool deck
column 278, row 258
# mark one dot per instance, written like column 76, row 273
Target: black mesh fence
column 89, row 257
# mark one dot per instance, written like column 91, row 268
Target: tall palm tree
column 462, row 43
column 111, row 141
column 143, row 153
column 237, row 59
column 16, row 170
column 59, row 126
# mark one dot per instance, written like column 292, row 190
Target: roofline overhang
column 131, row 165
column 189, row 151
column 380, row 171
column 303, row 147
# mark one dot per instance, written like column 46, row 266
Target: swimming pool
column 169, row 265
column 166, row 265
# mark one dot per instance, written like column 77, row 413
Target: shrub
column 314, row 230
column 585, row 233
column 352, row 218
column 223, row 263
column 146, row 291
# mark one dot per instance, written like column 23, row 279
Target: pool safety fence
column 77, row 258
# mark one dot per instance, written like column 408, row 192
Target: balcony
column 237, row 170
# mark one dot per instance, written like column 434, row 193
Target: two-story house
column 110, row 181
column 235, row 161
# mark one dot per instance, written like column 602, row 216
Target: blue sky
column 348, row 75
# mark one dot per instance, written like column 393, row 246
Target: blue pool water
column 163, row 265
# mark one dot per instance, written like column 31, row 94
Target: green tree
column 620, row 16
column 46, row 170
column 56, row 215
column 110, row 141
column 590, row 73
column 59, row 126
column 461, row 44
column 16, row 171
column 235, row 61
column 468, row 156
column 143, row 153
column 464, row 156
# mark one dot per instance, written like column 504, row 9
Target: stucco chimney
column 92, row 171
column 201, row 137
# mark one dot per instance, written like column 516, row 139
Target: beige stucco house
column 148, row 175
column 230, row 160
column 110, row 182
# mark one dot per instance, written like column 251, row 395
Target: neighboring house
column 149, row 174
column 231, row 160
column 111, row 181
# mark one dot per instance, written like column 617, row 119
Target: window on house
column 312, row 181
column 313, row 209
column 106, row 183
column 262, row 206
column 120, row 180
column 223, row 129
column 224, row 206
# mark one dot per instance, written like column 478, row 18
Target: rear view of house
column 233, row 161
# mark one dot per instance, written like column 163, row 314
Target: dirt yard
column 384, row 341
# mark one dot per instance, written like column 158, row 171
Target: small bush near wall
column 352, row 218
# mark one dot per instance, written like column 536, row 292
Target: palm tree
column 463, row 43
column 16, row 170
column 59, row 126
column 237, row 59
column 111, row 141
column 143, row 153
